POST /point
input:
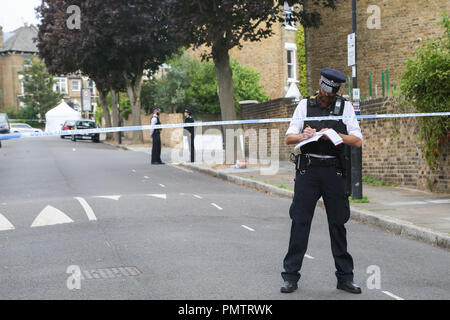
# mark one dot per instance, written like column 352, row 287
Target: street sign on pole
column 351, row 49
column 86, row 103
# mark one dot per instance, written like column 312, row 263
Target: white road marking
column 197, row 196
column 392, row 295
column 162, row 185
column 439, row 201
column 74, row 149
column 133, row 170
column 215, row 205
column 248, row 228
column 5, row 224
column 404, row 203
column 161, row 196
column 309, row 257
column 87, row 208
column 146, row 177
column 414, row 203
column 50, row 216
column 109, row 197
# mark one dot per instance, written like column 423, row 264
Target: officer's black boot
column 288, row 287
column 348, row 286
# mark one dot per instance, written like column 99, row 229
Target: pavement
column 411, row 213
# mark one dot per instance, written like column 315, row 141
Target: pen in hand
column 308, row 132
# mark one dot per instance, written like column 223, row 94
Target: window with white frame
column 290, row 25
column 60, row 85
column 76, row 85
column 22, row 84
column 291, row 61
column 91, row 86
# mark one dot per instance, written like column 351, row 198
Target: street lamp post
column 118, row 120
column 356, row 153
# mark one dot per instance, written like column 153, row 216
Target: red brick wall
column 391, row 151
column 279, row 108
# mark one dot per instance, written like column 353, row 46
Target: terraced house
column 17, row 48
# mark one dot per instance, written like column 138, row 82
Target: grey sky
column 14, row 13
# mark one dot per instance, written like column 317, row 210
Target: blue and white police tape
column 27, row 120
column 212, row 123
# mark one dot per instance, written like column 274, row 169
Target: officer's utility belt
column 302, row 161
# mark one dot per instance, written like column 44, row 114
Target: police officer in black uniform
column 155, row 134
column 189, row 131
column 321, row 172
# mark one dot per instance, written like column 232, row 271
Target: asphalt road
column 137, row 231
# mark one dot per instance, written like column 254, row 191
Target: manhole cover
column 110, row 273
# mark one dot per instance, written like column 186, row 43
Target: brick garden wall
column 404, row 24
column 391, row 151
column 172, row 138
column 279, row 108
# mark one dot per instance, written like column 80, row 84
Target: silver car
column 23, row 128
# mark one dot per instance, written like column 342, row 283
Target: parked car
column 4, row 125
column 23, row 128
column 85, row 124
column 68, row 125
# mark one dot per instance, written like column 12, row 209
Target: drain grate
column 110, row 273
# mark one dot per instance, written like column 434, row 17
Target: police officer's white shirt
column 153, row 122
column 296, row 126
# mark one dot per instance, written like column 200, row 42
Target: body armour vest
column 157, row 123
column 323, row 146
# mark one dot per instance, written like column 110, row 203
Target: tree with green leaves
column 426, row 85
column 117, row 39
column 39, row 96
column 225, row 24
column 192, row 84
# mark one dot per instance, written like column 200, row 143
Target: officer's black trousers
column 156, row 147
column 317, row 182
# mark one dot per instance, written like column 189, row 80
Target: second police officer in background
column 321, row 172
column 155, row 134
column 189, row 132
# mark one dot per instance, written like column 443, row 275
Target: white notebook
column 330, row 133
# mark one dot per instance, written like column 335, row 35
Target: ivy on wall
column 300, row 41
column 426, row 85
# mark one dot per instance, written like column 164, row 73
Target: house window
column 60, row 85
column 91, row 86
column 291, row 61
column 22, row 84
column 76, row 85
column 290, row 25
column 27, row 59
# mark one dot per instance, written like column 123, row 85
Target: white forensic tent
column 58, row 115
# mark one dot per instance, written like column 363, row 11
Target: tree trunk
column 134, row 93
column 115, row 113
column 106, row 115
column 226, row 98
